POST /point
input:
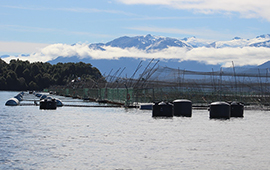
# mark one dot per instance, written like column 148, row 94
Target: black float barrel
column 43, row 104
column 49, row 104
column 155, row 110
column 220, row 110
column 237, row 109
column 162, row 110
column 182, row 107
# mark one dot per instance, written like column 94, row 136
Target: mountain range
column 149, row 43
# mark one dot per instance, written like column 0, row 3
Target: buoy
column 220, row 110
column 162, row 109
column 43, row 97
column 59, row 103
column 19, row 97
column 49, row 97
column 12, row 102
column 182, row 107
column 38, row 94
column 237, row 109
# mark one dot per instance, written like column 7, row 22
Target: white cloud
column 223, row 56
column 20, row 47
column 246, row 8
column 74, row 9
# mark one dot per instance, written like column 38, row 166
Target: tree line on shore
column 23, row 75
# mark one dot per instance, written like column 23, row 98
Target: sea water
column 119, row 138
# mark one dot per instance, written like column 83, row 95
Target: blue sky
column 29, row 25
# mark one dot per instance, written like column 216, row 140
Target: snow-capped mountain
column 147, row 43
column 196, row 42
column 235, row 42
column 261, row 44
column 264, row 36
column 259, row 41
column 150, row 42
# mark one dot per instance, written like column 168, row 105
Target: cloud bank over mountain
column 241, row 51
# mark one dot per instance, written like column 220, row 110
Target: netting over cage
column 157, row 83
column 174, row 74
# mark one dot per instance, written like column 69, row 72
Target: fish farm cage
column 250, row 86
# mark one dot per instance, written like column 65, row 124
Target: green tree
column 27, row 75
column 12, row 81
column 20, row 75
column 22, row 83
column 3, row 84
column 12, row 64
column 19, row 70
column 33, row 86
column 35, row 69
column 46, row 80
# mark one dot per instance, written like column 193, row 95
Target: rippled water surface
column 118, row 138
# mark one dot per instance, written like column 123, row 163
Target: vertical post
column 220, row 83
column 260, row 80
column 213, row 82
column 179, row 79
column 266, row 79
column 234, row 78
column 127, row 96
column 153, row 94
column 183, row 81
column 118, row 99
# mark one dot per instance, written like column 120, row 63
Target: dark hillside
column 23, row 75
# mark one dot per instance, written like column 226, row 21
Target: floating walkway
column 73, row 105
